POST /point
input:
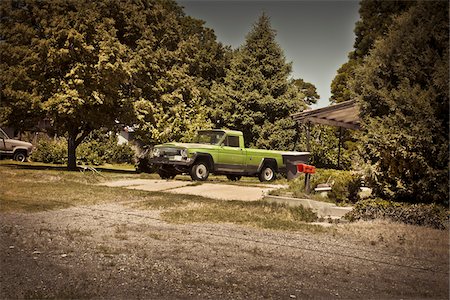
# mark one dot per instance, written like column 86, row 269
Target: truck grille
column 165, row 152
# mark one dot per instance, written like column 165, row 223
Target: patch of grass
column 26, row 190
column 258, row 214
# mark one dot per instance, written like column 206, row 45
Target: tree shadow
column 26, row 166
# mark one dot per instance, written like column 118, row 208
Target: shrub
column 345, row 184
column 99, row 148
column 50, row 151
column 430, row 215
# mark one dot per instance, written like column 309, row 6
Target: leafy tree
column 72, row 63
column 85, row 65
column 256, row 95
column 308, row 90
column 175, row 59
column 375, row 18
column 403, row 91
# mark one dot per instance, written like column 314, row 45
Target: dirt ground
column 116, row 251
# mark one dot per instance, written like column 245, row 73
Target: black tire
column 20, row 156
column 267, row 174
column 164, row 174
column 199, row 171
column 234, row 177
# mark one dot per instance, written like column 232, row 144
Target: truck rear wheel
column 199, row 171
column 267, row 174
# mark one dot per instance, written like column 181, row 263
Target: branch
column 83, row 135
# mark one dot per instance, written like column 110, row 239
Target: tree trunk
column 71, row 152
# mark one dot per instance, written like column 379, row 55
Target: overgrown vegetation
column 345, row 186
column 398, row 73
column 99, row 148
column 430, row 215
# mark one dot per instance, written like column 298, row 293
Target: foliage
column 324, row 141
column 345, row 185
column 308, row 90
column 50, row 151
column 99, row 148
column 175, row 61
column 85, row 65
column 256, row 95
column 430, row 215
column 375, row 18
column 403, row 92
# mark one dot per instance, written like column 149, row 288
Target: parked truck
column 18, row 150
column 221, row 152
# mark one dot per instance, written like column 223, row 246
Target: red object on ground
column 304, row 168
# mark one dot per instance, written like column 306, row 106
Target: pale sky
column 316, row 36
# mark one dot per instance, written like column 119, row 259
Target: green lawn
column 26, row 188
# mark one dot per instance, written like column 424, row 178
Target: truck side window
column 232, row 141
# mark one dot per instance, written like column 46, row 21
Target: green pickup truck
column 220, row 152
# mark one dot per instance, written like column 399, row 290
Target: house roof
column 344, row 114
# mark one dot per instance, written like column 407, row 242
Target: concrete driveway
column 221, row 191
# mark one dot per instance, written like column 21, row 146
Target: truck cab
column 18, row 150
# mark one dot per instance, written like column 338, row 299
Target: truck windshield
column 208, row 137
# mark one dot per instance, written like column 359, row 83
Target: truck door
column 4, row 145
column 231, row 156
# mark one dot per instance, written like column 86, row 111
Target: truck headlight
column 184, row 153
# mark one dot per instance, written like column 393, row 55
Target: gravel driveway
column 112, row 250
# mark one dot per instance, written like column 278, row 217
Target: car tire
column 199, row 171
column 20, row 156
column 267, row 174
column 234, row 177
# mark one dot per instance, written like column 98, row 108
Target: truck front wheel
column 267, row 174
column 20, row 156
column 199, row 171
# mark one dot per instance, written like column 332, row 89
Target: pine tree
column 256, row 96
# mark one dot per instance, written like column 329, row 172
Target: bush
column 51, row 151
column 99, row 148
column 430, row 215
column 344, row 184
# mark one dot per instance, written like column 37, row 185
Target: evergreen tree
column 256, row 96
column 403, row 91
column 375, row 18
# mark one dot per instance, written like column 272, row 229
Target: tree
column 403, row 91
column 73, row 65
column 256, row 95
column 375, row 18
column 308, row 90
column 86, row 65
